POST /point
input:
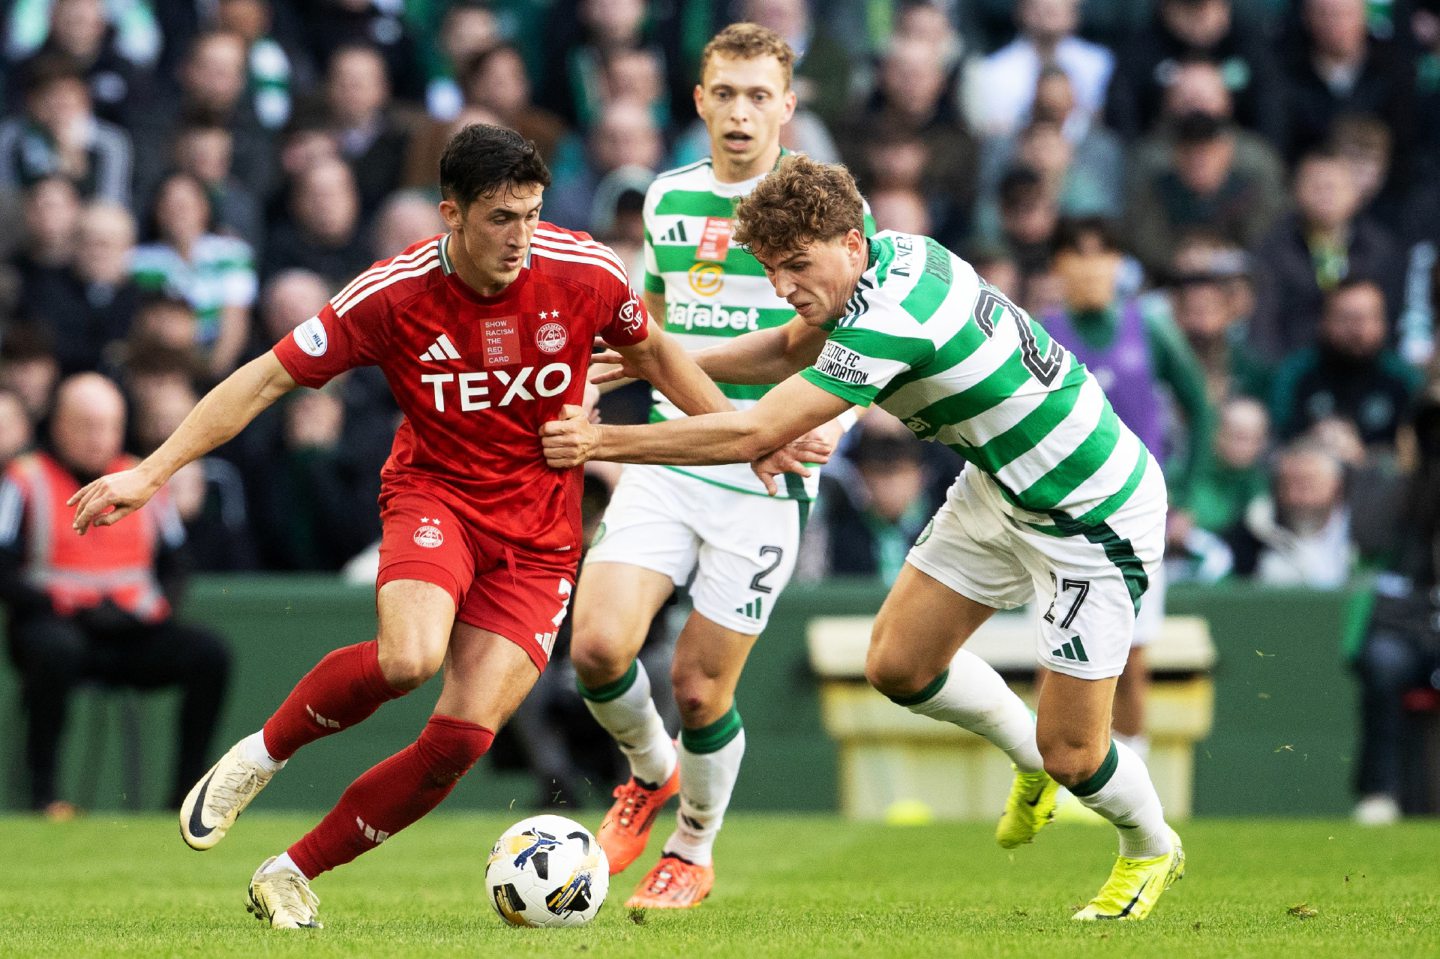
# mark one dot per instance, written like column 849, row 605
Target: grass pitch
column 787, row 887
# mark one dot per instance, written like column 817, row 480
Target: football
column 547, row 871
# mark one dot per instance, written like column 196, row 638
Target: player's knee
column 599, row 659
column 701, row 699
column 1070, row 764
column 892, row 675
column 408, row 668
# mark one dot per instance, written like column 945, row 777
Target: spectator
column 406, row 217
column 1209, row 282
column 16, row 430
column 371, row 137
column 205, row 150
column 322, row 232
column 1401, row 648
column 1310, row 251
column 136, row 36
column 80, row 31
column 214, row 79
column 59, row 135
column 1202, row 188
column 1298, row 535
column 1365, row 144
column 624, row 136
column 467, row 29
column 329, row 25
column 1041, row 146
column 29, row 369
column 1135, row 352
column 1337, row 67
column 214, row 274
column 901, row 210
column 1028, row 216
column 824, row 79
column 1183, row 31
column 275, row 69
column 288, row 299
column 1349, row 373
column 996, row 266
column 914, row 102
column 599, row 28
column 51, row 214
column 495, row 80
column 1235, row 476
column 872, row 504
column 99, row 608
column 1047, row 35
column 92, row 303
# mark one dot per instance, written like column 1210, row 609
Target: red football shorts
column 519, row 594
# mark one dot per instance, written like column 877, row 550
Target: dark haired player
column 484, row 333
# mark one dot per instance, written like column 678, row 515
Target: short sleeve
column 330, row 343
column 625, row 321
column 856, row 363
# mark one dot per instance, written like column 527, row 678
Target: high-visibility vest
column 108, row 562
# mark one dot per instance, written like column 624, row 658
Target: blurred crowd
column 1241, row 194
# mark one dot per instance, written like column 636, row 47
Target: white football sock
column 253, row 746
column 282, row 861
column 974, row 697
column 625, row 710
column 1122, row 792
column 707, row 778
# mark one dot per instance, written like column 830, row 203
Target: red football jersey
column 476, row 375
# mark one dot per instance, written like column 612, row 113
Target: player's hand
column 795, row 457
column 591, row 403
column 570, row 440
column 609, row 366
column 111, row 498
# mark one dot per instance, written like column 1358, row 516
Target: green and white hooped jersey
column 713, row 291
column 960, row 364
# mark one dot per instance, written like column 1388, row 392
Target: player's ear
column 450, row 210
column 699, row 95
column 790, row 101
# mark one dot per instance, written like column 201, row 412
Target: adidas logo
column 321, row 720
column 441, row 349
column 676, row 234
column 376, row 836
column 753, row 609
column 1073, row 651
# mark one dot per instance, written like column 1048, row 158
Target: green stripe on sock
column 714, row 737
column 924, row 694
column 1102, row 775
column 610, row 690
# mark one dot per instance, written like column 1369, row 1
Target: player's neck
column 484, row 284
column 732, row 171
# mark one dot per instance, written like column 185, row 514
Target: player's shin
column 393, row 794
column 1121, row 791
column 343, row 689
column 626, row 710
column 709, row 765
column 972, row 695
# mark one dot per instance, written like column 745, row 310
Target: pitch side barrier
column 1281, row 739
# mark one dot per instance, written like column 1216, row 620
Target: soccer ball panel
column 547, row 871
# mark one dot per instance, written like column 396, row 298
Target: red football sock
column 393, row 794
column 344, row 688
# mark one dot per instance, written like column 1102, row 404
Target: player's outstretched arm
column 660, row 359
column 765, row 356
column 789, row 411
column 219, row 415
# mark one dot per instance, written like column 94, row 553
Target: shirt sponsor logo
column 708, row 316
column 551, row 338
column 707, row 279
column 310, row 336
column 841, row 363
column 474, row 390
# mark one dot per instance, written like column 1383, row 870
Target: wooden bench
column 892, row 760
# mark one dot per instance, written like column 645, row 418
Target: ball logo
column 429, row 537
column 551, row 338
column 706, row 279
column 310, row 337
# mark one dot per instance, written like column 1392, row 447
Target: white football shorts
column 736, row 550
column 1086, row 587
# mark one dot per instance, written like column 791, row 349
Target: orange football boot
column 626, row 828
column 674, row 883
